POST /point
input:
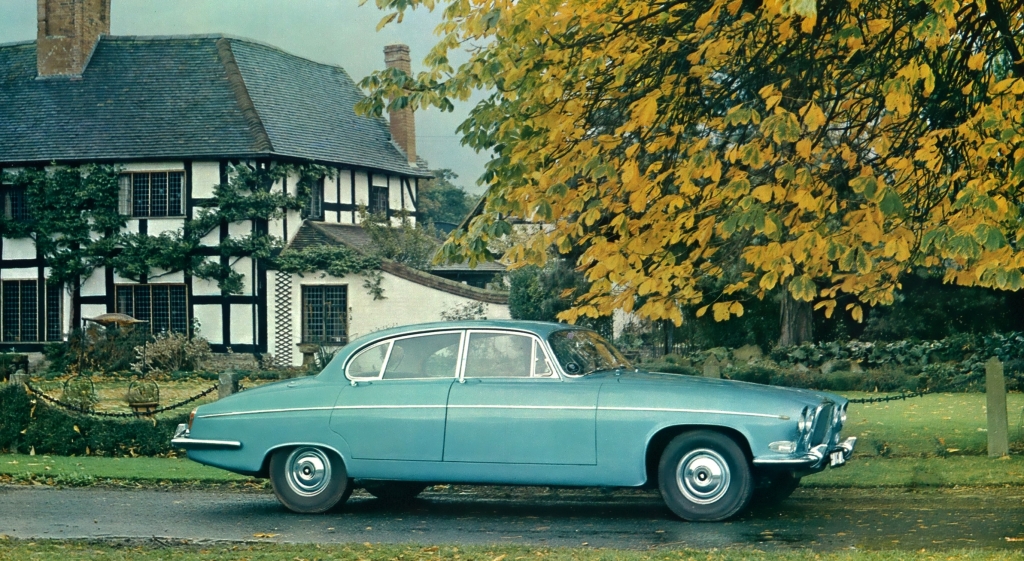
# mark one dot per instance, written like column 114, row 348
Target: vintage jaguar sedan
column 521, row 403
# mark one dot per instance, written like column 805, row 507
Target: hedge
column 27, row 424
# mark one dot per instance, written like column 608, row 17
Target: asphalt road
column 817, row 519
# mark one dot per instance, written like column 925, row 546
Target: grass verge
column 864, row 472
column 71, row 551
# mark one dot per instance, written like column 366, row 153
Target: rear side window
column 368, row 363
column 423, row 356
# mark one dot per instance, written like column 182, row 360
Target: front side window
column 368, row 363
column 324, row 313
column 584, row 352
column 163, row 306
column 504, row 355
column 19, row 301
column 152, row 194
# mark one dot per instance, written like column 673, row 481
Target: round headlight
column 842, row 413
column 804, row 424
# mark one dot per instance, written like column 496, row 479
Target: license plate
column 837, row 458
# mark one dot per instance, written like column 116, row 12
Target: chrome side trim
column 195, row 443
column 492, row 406
column 573, row 407
column 703, row 411
column 259, row 411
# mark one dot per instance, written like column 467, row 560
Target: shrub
column 101, row 349
column 172, row 352
column 27, row 423
column 750, row 373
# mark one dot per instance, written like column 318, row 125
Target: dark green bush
column 674, row 369
column 50, row 430
column 751, row 373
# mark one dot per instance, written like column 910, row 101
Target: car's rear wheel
column 704, row 476
column 394, row 491
column 309, row 479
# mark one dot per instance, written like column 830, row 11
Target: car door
column 394, row 407
column 510, row 406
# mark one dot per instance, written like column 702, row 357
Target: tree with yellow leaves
column 701, row 153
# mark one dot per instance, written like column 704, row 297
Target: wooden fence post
column 227, row 384
column 995, row 398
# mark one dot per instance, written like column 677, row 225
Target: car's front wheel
column 394, row 491
column 704, row 476
column 309, row 479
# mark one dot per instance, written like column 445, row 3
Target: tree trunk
column 797, row 322
column 669, row 330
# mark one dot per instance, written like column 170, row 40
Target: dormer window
column 152, row 194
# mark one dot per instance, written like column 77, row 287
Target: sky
column 338, row 32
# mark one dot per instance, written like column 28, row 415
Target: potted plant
column 143, row 397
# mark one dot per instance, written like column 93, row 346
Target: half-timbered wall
column 236, row 321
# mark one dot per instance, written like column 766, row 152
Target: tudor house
column 174, row 113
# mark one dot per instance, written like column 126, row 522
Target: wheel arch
column 264, row 470
column 659, row 440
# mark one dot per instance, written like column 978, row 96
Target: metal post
column 995, row 397
column 227, row 384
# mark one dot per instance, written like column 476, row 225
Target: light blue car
column 521, row 403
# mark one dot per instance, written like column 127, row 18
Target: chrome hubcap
column 703, row 476
column 309, row 471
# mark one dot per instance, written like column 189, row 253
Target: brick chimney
column 67, row 34
column 403, row 124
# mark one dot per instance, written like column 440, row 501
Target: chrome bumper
column 817, row 458
column 182, row 440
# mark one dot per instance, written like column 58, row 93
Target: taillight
column 191, row 417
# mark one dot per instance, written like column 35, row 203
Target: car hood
column 709, row 386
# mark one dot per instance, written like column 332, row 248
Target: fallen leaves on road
column 264, row 535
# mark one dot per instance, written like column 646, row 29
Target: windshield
column 583, row 352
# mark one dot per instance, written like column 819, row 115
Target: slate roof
column 181, row 97
column 316, row 233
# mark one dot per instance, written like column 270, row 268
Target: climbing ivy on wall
column 73, row 217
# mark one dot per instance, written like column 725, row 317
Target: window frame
column 379, row 193
column 127, row 199
column 390, row 342
column 538, row 343
column 303, row 317
column 170, row 315
column 7, row 202
column 43, row 329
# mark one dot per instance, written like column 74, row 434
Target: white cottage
column 174, row 113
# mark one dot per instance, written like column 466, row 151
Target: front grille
column 822, row 423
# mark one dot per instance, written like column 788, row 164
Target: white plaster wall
column 20, row 248
column 244, row 266
column 204, row 287
column 88, row 310
column 405, row 303
column 210, row 322
column 95, row 284
column 157, row 226
column 242, row 327
column 21, row 273
column 205, row 176
column 157, row 276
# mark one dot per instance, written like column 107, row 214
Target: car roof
column 540, row 328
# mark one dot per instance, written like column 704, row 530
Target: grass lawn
column 946, row 424
column 70, row 551
column 85, row 470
